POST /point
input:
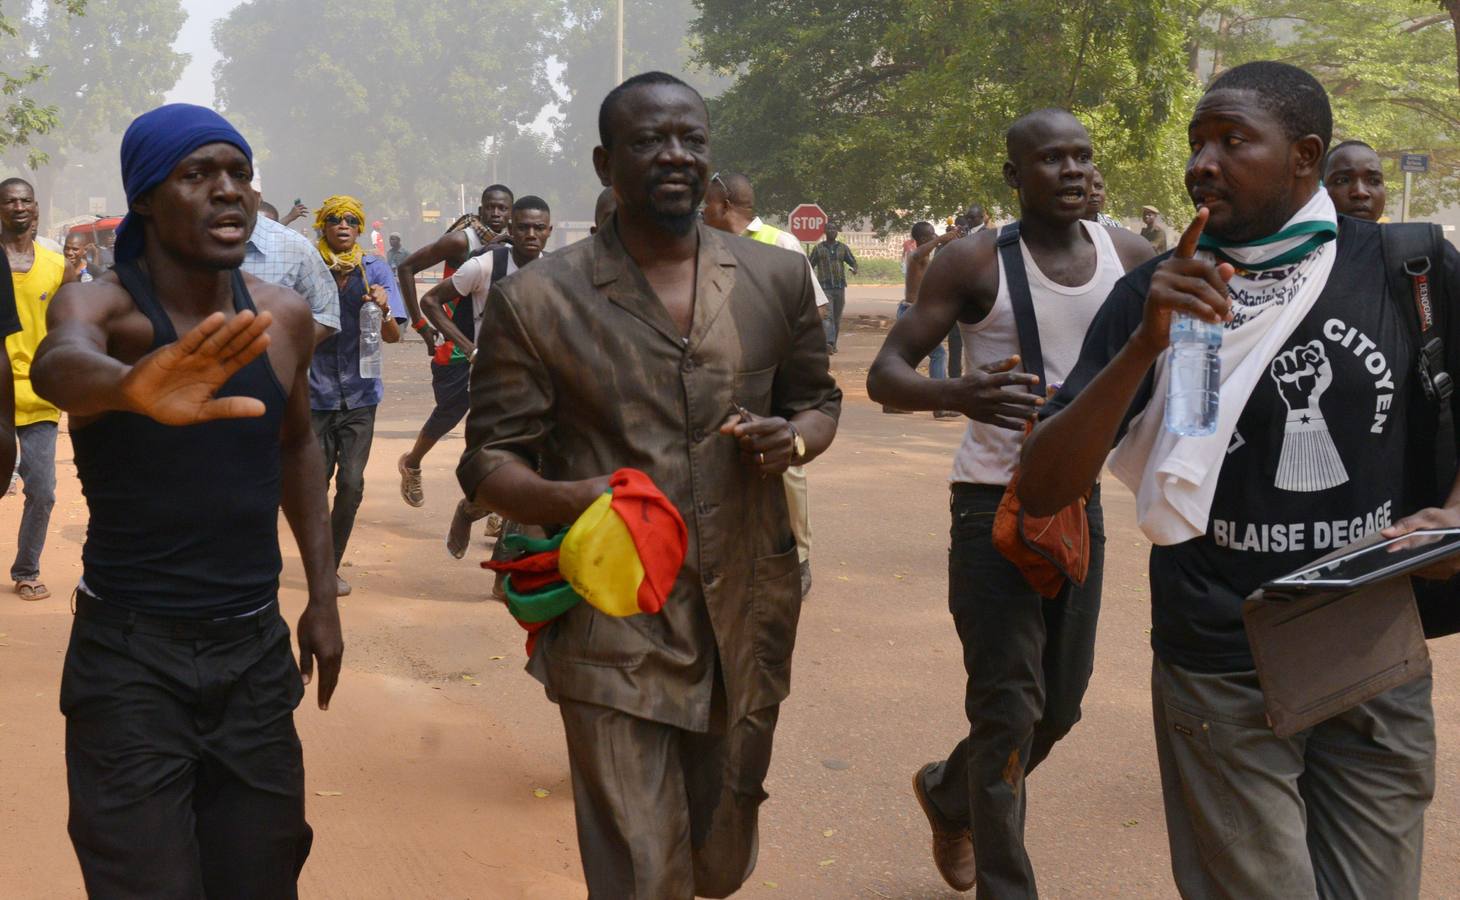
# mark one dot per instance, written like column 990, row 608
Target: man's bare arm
column 433, row 307
column 1063, row 456
column 7, row 415
column 960, row 283
column 449, row 248
column 306, row 509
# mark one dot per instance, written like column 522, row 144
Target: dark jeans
column 955, row 352
column 185, row 772
column 452, row 386
column 37, row 469
column 836, row 298
column 1028, row 661
column 345, row 436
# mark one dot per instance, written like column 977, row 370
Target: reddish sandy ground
column 425, row 775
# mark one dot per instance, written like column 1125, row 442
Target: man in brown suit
column 698, row 358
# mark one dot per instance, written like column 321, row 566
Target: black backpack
column 1414, row 261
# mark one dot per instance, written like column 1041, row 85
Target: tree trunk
column 1453, row 8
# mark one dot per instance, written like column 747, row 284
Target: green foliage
column 897, row 110
column 22, row 116
column 1389, row 65
column 655, row 37
column 893, row 111
column 105, row 68
column 391, row 100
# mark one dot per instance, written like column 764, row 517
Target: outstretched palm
column 176, row 384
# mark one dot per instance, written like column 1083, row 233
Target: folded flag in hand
column 622, row 556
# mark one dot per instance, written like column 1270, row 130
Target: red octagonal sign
column 808, row 223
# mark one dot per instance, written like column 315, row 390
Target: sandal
column 32, row 590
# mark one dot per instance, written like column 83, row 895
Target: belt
column 94, row 609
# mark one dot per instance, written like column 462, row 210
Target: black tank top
column 184, row 519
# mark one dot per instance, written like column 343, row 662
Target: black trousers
column 185, row 772
column 345, row 436
column 1029, row 661
column 451, row 385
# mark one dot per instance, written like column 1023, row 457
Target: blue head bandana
column 154, row 144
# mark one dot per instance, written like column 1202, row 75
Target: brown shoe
column 952, row 845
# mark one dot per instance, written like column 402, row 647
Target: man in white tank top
column 1028, row 659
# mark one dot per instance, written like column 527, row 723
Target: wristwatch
column 798, row 444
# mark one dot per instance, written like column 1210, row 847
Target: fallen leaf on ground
column 329, row 793
column 496, row 657
column 826, row 862
column 770, row 884
column 541, row 793
column 828, row 832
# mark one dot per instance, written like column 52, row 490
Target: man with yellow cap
column 342, row 397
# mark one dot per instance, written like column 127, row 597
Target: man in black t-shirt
column 1320, row 361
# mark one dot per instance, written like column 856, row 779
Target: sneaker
column 342, row 587
column 805, row 579
column 494, row 526
column 896, row 412
column 410, row 484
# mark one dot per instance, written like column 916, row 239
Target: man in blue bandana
column 1319, row 365
column 186, row 383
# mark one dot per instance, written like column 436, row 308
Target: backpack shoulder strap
column 1414, row 265
column 499, row 263
column 1023, row 303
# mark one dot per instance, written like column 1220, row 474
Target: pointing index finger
column 1186, row 246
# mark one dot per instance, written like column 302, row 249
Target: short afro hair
column 611, row 102
column 496, row 189
column 1328, row 159
column 920, row 229
column 1294, row 97
column 531, row 201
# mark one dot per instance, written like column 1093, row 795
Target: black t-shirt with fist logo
column 1316, row 462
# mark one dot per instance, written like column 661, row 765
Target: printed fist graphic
column 1302, row 375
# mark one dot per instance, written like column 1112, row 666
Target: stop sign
column 808, row 223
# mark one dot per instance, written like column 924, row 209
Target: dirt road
column 439, row 771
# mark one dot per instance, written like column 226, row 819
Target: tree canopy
column 392, row 100
column 22, row 116
column 103, row 69
column 893, row 110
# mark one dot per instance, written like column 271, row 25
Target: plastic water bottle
column 1196, row 376
column 371, row 361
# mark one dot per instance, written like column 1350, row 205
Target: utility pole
column 619, row 57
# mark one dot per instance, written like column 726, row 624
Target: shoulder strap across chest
column 1017, row 283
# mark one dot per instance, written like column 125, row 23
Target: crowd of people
column 224, row 367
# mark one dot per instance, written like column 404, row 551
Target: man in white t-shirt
column 1028, row 658
column 454, row 307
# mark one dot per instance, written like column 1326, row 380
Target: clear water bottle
column 371, row 362
column 1196, row 376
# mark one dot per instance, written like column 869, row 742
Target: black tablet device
column 1374, row 562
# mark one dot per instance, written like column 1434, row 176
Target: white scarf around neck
column 1174, row 477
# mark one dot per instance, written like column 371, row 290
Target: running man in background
column 343, row 401
column 36, row 275
column 450, row 371
column 456, row 307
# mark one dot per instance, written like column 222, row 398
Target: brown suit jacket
column 581, row 371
